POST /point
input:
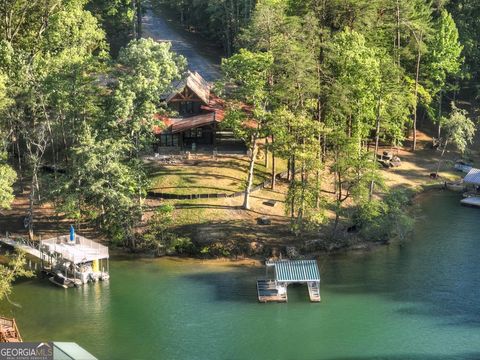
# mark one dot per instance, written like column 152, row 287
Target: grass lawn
column 205, row 175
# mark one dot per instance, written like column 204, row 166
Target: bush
column 381, row 220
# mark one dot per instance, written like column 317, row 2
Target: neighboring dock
column 289, row 272
column 69, row 261
column 9, row 330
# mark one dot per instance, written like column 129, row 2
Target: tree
column 146, row 70
column 444, row 58
column 459, row 130
column 7, row 178
column 9, row 273
column 103, row 185
column 245, row 82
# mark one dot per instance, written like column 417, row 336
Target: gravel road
column 158, row 28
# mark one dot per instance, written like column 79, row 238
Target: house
column 199, row 113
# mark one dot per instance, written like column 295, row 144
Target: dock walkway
column 314, row 291
column 22, row 246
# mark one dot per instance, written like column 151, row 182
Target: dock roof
column 290, row 271
column 473, row 177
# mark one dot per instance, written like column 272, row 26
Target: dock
column 471, row 201
column 269, row 291
column 69, row 261
column 289, row 272
column 9, row 330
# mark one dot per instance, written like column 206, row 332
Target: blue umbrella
column 72, row 233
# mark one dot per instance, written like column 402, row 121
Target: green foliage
column 146, row 70
column 104, row 185
column 219, row 20
column 7, row 178
column 9, row 273
column 117, row 18
column 382, row 220
column 161, row 239
column 459, row 129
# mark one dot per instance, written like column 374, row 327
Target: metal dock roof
column 290, row 271
column 473, row 177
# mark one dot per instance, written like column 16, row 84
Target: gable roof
column 195, row 82
column 473, row 177
column 295, row 270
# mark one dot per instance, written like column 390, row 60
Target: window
column 199, row 132
column 168, row 140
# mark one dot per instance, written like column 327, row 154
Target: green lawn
column 208, row 176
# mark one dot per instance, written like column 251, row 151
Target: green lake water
column 416, row 301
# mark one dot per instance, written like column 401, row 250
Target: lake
column 419, row 300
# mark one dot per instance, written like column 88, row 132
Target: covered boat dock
column 288, row 272
column 472, row 180
column 78, row 257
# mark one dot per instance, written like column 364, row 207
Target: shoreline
column 362, row 247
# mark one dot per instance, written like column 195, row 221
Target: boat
column 463, row 166
column 457, row 186
column 60, row 280
column 471, row 201
column 104, row 276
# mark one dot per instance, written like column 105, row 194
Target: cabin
column 286, row 272
column 198, row 113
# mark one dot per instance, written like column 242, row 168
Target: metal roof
column 70, row 351
column 295, row 270
column 473, row 177
column 195, row 82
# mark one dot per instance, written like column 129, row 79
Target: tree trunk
column 439, row 124
column 398, row 34
column 441, row 157
column 377, row 140
column 266, row 153
column 292, row 204
column 273, row 166
column 30, row 207
column 246, row 199
column 417, row 75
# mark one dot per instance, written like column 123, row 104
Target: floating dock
column 289, row 272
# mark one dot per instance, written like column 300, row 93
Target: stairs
column 314, row 291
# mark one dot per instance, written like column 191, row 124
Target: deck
column 471, row 201
column 9, row 331
column 270, row 291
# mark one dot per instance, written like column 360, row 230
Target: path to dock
column 158, row 28
column 18, row 245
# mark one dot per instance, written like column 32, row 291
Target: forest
column 326, row 82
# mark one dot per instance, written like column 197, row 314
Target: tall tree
column 245, row 83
